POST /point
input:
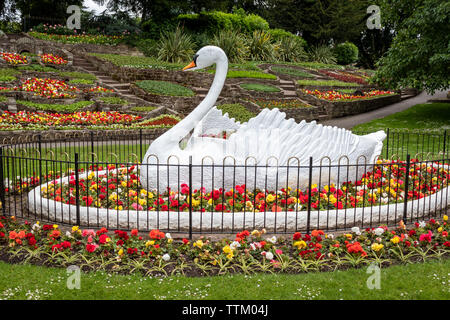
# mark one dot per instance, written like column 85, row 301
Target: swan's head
column 205, row 57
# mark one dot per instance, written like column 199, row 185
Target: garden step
column 290, row 93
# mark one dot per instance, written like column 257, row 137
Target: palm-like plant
column 261, row 47
column 322, row 54
column 176, row 46
column 291, row 50
column 233, row 43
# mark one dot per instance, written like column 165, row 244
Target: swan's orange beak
column 189, row 66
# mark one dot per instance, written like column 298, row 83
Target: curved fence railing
column 92, row 179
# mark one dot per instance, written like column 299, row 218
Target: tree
column 420, row 53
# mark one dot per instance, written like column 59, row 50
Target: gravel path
column 351, row 121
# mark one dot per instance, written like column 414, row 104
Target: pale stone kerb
column 217, row 221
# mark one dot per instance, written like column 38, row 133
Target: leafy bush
column 80, row 81
column 290, row 49
column 37, row 67
column 8, row 74
column 322, row 54
column 259, row 87
column 233, row 43
column 280, row 34
column 254, row 22
column 148, row 47
column 164, row 88
column 236, row 111
column 143, row 108
column 175, row 46
column 260, row 46
column 346, row 53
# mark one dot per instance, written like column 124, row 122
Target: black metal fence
column 92, row 179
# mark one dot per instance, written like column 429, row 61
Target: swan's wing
column 270, row 135
column 215, row 123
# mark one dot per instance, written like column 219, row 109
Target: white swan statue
column 269, row 152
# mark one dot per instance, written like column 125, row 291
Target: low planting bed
column 289, row 73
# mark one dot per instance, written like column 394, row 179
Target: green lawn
column 429, row 117
column 259, row 87
column 414, row 281
column 165, row 88
column 417, row 130
column 292, row 72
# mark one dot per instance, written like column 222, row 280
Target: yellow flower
column 149, row 243
column 256, row 233
column 395, row 240
column 377, row 247
column 348, row 236
column 270, row 198
column 75, row 228
column 198, row 243
column 123, row 184
column 120, row 253
column 445, row 218
column 439, row 229
column 227, row 250
column 195, row 203
column 55, row 226
column 230, row 255
column 300, row 244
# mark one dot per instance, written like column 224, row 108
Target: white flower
column 252, row 246
column 330, row 236
column 379, row 231
column 273, row 240
column 166, row 257
column 268, row 255
column 234, row 245
column 68, row 234
column 356, row 230
column 36, row 227
column 168, row 236
column 422, row 224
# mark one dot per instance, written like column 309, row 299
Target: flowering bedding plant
column 345, row 76
column 339, row 96
column 49, row 58
column 280, row 104
column 120, row 189
column 13, row 58
column 79, row 38
column 157, row 252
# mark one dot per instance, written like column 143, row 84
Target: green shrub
column 346, row 53
column 176, row 46
column 114, row 100
column 322, row 54
column 56, row 107
column 3, row 99
column 250, row 74
column 233, row 43
column 292, row 72
column 7, row 78
column 149, row 47
column 236, row 111
column 254, row 22
column 290, row 49
column 165, row 88
column 259, row 87
column 9, row 72
column 260, row 46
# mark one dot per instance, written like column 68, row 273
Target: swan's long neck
column 172, row 137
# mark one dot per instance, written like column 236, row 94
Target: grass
column 318, row 65
column 417, row 130
column 143, row 108
column 7, row 78
column 165, row 88
column 432, row 117
column 114, row 100
column 327, row 83
column 138, row 62
column 248, row 74
column 73, row 107
column 81, row 81
column 414, row 281
column 259, row 87
column 292, row 72
column 237, row 111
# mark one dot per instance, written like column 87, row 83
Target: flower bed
column 13, row 58
column 78, row 38
column 339, row 96
column 345, row 76
column 49, row 88
column 51, row 59
column 157, row 252
column 120, row 189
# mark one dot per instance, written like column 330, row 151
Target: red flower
column 91, row 247
column 156, row 234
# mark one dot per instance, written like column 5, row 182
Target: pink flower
column 426, row 236
column 137, row 206
column 88, row 232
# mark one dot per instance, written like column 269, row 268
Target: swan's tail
column 378, row 136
